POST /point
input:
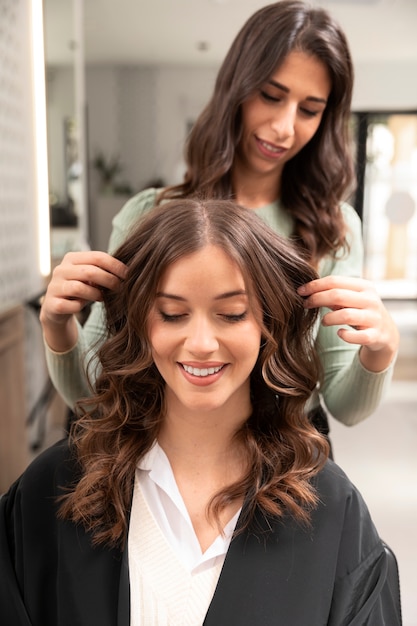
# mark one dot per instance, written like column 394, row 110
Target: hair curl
column 321, row 175
column 120, row 422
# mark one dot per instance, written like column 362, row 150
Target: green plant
column 107, row 167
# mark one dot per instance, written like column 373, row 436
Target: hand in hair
column 355, row 303
column 76, row 281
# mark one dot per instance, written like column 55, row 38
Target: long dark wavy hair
column 121, row 421
column 321, row 175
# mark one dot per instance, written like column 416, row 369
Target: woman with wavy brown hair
column 193, row 488
column 275, row 138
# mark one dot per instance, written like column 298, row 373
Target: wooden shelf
column 14, row 454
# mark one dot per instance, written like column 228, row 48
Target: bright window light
column 40, row 138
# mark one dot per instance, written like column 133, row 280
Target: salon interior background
column 126, row 79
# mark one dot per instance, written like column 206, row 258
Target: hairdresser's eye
column 309, row 113
column 266, row 96
column 234, row 317
column 171, row 318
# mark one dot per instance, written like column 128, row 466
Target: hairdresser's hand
column 75, row 282
column 355, row 304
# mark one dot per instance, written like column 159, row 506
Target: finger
column 80, row 291
column 62, row 307
column 341, row 298
column 359, row 337
column 87, row 274
column 98, row 277
column 355, row 318
column 98, row 259
column 334, row 282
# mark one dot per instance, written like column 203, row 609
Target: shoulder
column 139, row 203
column 343, row 509
column 132, row 210
column 351, row 218
column 333, row 484
column 349, row 261
column 30, row 506
column 48, row 474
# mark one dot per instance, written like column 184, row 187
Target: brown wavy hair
column 121, row 421
column 321, row 175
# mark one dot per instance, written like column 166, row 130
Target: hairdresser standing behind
column 274, row 137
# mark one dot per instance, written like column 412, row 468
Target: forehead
column 208, row 261
column 305, row 73
column 204, row 273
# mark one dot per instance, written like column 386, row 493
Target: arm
column 357, row 359
column 67, row 369
column 69, row 347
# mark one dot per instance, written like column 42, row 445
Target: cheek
column 248, row 345
column 157, row 339
column 249, row 116
column 308, row 132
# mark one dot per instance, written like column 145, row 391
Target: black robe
column 278, row 573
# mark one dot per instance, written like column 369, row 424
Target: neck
column 189, row 439
column 255, row 190
column 205, row 458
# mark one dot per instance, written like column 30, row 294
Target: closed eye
column 309, row 113
column 171, row 318
column 233, row 318
column 266, row 96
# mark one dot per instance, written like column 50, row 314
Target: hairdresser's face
column 282, row 117
column 204, row 336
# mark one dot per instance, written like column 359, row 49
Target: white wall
column 385, row 86
column 181, row 94
column 19, row 273
column 20, row 277
column 141, row 113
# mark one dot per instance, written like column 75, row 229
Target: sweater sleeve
column 349, row 391
column 68, row 370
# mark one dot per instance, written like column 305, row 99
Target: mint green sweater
column 349, row 391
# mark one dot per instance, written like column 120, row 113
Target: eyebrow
column 274, row 83
column 221, row 296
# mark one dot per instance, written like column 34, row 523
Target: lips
column 202, row 372
column 269, row 149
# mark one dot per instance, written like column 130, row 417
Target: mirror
column 65, row 154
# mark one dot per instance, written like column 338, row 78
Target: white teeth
column 195, row 371
column 269, row 147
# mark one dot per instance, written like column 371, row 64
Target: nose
column 283, row 123
column 201, row 337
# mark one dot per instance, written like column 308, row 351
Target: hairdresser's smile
column 205, row 337
column 269, row 150
column 282, row 117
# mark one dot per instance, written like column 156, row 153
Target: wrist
column 378, row 360
column 60, row 336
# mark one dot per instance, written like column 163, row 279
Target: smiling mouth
column 205, row 371
column 271, row 147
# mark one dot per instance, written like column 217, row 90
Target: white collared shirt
column 161, row 493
